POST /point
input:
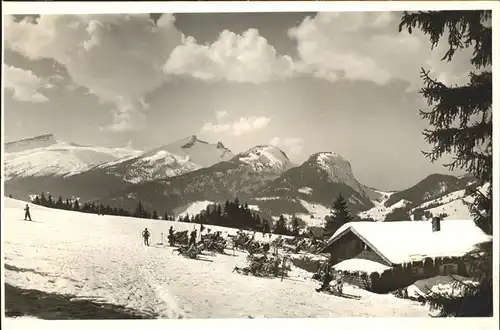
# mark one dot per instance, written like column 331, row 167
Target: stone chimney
column 436, row 224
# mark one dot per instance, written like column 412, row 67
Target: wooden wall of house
column 363, row 280
column 347, row 247
column 401, row 276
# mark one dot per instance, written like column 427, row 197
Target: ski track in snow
column 102, row 258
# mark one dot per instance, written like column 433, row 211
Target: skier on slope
column 192, row 240
column 327, row 278
column 171, row 236
column 27, row 214
column 145, row 235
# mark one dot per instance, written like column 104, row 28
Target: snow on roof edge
column 407, row 241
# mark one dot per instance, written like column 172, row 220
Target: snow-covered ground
column 439, row 285
column 379, row 211
column 266, row 158
column 197, row 207
column 339, row 169
column 305, row 190
column 65, row 159
column 193, row 208
column 317, row 213
column 102, row 258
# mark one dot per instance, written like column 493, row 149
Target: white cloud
column 128, row 116
column 290, row 144
column 367, row 46
column 249, row 124
column 239, row 58
column 220, row 114
column 242, row 126
column 119, row 58
column 24, row 84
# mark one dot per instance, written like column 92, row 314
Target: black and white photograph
column 181, row 164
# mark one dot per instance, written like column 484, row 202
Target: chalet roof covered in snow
column 406, row 241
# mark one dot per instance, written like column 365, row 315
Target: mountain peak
column 330, row 159
column 220, row 145
column 265, row 156
column 337, row 169
column 38, row 141
column 267, row 147
column 192, row 140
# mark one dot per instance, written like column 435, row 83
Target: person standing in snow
column 171, row 236
column 192, row 240
column 327, row 278
column 27, row 214
column 145, row 235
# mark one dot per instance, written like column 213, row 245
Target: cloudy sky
column 307, row 82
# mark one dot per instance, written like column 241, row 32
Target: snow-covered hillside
column 265, row 158
column 339, row 169
column 453, row 206
column 150, row 166
column 379, row 211
column 39, row 141
column 101, row 258
column 316, row 213
column 177, row 158
column 58, row 159
column 193, row 208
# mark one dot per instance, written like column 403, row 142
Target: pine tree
column 43, row 200
column 59, row 203
column 155, row 215
column 340, row 216
column 280, row 226
column 37, row 200
column 461, row 118
column 295, row 226
column 76, row 205
column 265, row 226
column 139, row 211
column 218, row 211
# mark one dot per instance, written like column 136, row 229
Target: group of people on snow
column 192, row 237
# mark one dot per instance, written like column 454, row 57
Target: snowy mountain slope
column 317, row 181
column 35, row 142
column 191, row 209
column 65, row 255
column 171, row 160
column 338, row 169
column 147, row 167
column 45, row 164
column 316, row 213
column 238, row 177
column 90, row 177
column 265, row 158
column 194, row 150
column 59, row 159
column 453, row 205
column 432, row 187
